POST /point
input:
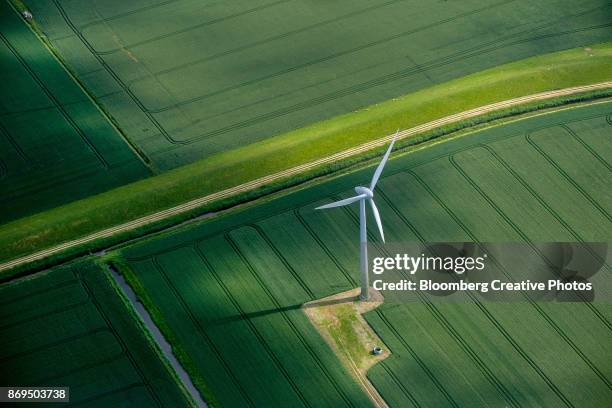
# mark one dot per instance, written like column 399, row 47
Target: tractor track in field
column 287, row 319
column 399, row 384
column 438, row 316
column 463, row 344
column 567, row 177
column 198, row 324
column 254, row 329
column 57, row 104
column 262, row 181
column 489, row 46
column 549, row 319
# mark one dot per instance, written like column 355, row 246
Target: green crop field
column 227, row 292
column 70, row 327
column 55, row 145
column 186, row 79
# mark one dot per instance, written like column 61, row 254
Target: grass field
column 238, row 281
column 231, row 168
column 186, row 80
column 55, row 145
column 70, row 327
column 247, row 147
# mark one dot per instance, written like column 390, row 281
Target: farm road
column 198, row 202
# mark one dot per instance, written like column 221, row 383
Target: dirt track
column 190, row 205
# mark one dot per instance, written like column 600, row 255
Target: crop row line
column 288, row 320
column 108, row 393
column 36, row 292
column 587, row 147
column 399, row 384
column 3, row 169
column 567, row 177
column 52, row 97
column 261, row 101
column 290, row 109
column 418, row 359
column 509, row 276
column 110, row 71
column 444, row 60
column 516, row 228
column 488, row 315
column 260, row 231
column 263, row 41
column 196, row 322
column 14, row 144
column 65, row 340
column 539, row 199
column 60, row 178
column 45, row 381
column 127, row 13
column 322, row 245
column 436, row 63
column 260, row 338
column 45, row 314
column 463, row 344
column 203, row 24
column 354, row 88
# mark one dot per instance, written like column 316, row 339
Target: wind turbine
column 363, row 194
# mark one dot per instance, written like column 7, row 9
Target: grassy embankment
column 552, row 71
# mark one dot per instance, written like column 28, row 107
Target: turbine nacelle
column 364, row 191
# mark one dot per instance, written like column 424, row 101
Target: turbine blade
column 340, row 203
column 377, row 218
column 380, row 167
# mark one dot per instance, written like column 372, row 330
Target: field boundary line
column 262, row 181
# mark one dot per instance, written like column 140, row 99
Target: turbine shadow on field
column 260, row 313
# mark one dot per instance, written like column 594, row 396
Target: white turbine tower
column 363, row 194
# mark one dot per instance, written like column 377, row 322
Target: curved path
column 198, row 202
